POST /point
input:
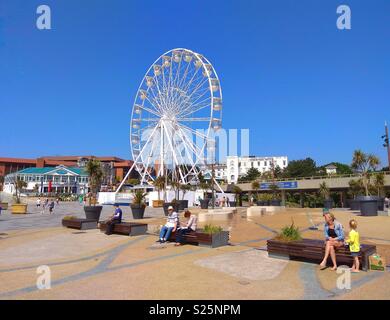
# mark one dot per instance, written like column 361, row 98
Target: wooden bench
column 204, row 239
column 126, row 228
column 80, row 224
column 314, row 250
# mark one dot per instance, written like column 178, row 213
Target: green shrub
column 70, row 218
column 210, row 229
column 289, row 233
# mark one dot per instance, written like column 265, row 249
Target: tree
column 300, row 168
column 95, row 172
column 364, row 164
column 274, row 188
column 355, row 187
column 379, row 183
column 324, row 191
column 159, row 184
column 19, row 185
column 237, row 191
column 184, row 188
column 252, row 174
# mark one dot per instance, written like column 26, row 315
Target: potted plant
column 138, row 206
column 204, row 203
column 213, row 236
column 255, row 187
column 274, row 201
column 95, row 172
column 324, row 192
column 237, row 196
column 364, row 164
column 159, row 184
column 3, row 204
column 174, row 203
column 355, row 190
column 378, row 187
column 18, row 207
column 289, row 233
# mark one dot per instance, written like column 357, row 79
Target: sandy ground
column 91, row 265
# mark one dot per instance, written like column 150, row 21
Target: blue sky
column 302, row 87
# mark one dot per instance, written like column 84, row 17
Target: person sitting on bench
column 170, row 226
column 189, row 226
column 334, row 238
column 114, row 219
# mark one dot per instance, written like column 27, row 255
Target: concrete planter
column 354, row 204
column 233, row 203
column 204, row 203
column 175, row 206
column 137, row 211
column 93, row 212
column 368, row 206
column 328, row 203
column 214, row 240
column 276, row 202
column 183, row 204
column 19, row 208
column 381, row 203
column 157, row 203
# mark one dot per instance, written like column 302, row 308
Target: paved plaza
column 90, row 265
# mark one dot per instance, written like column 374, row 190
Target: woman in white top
column 189, row 226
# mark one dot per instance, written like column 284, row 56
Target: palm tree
column 364, row 164
column 324, row 190
column 379, row 182
column 95, row 172
column 159, row 183
column 356, row 187
column 256, row 186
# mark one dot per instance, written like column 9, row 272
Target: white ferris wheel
column 177, row 108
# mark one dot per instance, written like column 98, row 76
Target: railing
column 331, row 176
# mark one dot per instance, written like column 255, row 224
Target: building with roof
column 60, row 179
column 115, row 168
column 330, row 169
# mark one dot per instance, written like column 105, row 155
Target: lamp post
column 386, row 144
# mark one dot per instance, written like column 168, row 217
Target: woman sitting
column 189, row 226
column 334, row 238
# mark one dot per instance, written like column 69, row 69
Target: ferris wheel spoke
column 150, row 110
column 174, row 153
column 195, row 107
column 194, row 119
column 198, row 152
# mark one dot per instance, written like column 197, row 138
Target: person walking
column 51, row 206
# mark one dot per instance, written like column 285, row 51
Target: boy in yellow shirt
column 354, row 245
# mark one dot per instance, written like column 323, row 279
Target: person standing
column 114, row 219
column 38, row 202
column 354, row 245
